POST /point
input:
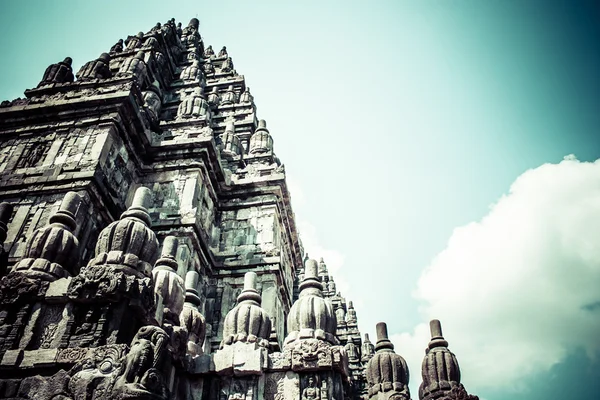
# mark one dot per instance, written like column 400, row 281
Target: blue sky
column 400, row 124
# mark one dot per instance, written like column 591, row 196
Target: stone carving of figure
column 223, row 52
column 208, row 68
column 246, row 97
column 61, row 72
column 209, row 52
column 133, row 42
column 118, row 47
column 135, row 66
column 213, row 97
column 229, row 96
column 179, row 30
column 96, row 69
column 311, row 392
column 192, row 72
column 227, row 65
column 193, row 106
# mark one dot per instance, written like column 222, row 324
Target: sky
column 441, row 157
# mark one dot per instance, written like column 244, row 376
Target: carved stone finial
column 96, row 69
column 52, row 252
column 118, row 47
column 246, row 97
column 194, row 23
column 261, row 141
column 192, row 72
column 437, row 339
column 222, row 52
column 134, row 42
column 213, row 97
column 167, row 283
column 311, row 312
column 208, row 68
column 142, row 199
column 386, row 372
column 209, row 52
column 368, row 350
column 247, row 322
column 227, row 65
column 191, row 318
column 194, row 106
column 228, row 141
column 135, row 66
column 61, row 72
column 322, row 267
column 383, row 342
column 440, row 370
column 129, row 243
column 229, row 97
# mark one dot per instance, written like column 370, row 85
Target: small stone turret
column 368, row 350
column 191, row 318
column 246, row 331
column 230, row 143
column 261, row 141
column 96, row 69
column 194, row 106
column 311, row 315
column 246, row 97
column 247, row 322
column 134, row 42
column 53, row 251
column 387, row 372
column 209, row 52
column 135, row 66
column 167, row 283
column 130, row 242
column 61, row 72
column 351, row 315
column 440, row 370
column 118, row 47
column 229, row 97
column 227, row 65
column 192, row 72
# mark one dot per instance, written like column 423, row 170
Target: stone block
column 38, row 358
column 57, row 289
column 11, row 358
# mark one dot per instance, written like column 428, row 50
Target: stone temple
column 150, row 249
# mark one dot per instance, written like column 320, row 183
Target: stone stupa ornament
column 440, row 370
column 52, row 252
column 246, row 332
column 387, row 372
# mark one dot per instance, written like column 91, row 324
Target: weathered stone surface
column 387, row 372
column 201, row 175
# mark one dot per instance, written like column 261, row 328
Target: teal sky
column 397, row 121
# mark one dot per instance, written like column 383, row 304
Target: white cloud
column 519, row 289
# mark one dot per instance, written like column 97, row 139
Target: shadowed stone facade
column 150, row 249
